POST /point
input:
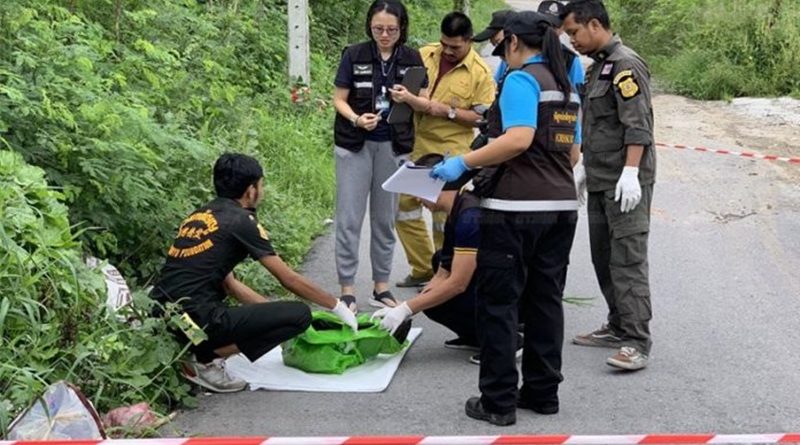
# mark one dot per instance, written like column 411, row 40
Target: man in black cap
column 494, row 34
column 553, row 10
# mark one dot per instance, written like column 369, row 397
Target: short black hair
column 234, row 173
column 457, row 24
column 393, row 7
column 586, row 10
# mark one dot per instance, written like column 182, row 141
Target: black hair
column 393, row 7
column 234, row 173
column 457, row 24
column 545, row 38
column 586, row 10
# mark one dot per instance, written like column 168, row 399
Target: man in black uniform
column 198, row 276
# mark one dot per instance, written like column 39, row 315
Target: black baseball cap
column 431, row 159
column 553, row 9
column 519, row 23
column 495, row 26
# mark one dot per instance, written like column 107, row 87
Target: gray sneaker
column 602, row 338
column 212, row 376
column 628, row 358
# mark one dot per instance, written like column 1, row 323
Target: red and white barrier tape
column 650, row 439
column 744, row 154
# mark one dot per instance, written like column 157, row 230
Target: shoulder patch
column 263, row 232
column 621, row 75
column 627, row 85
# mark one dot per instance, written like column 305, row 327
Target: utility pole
column 299, row 72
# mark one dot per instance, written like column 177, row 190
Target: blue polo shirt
column 520, row 90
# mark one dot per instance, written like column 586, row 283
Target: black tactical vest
column 366, row 76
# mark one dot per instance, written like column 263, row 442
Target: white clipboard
column 415, row 181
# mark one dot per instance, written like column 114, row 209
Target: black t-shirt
column 210, row 243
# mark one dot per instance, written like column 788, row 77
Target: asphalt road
column 724, row 261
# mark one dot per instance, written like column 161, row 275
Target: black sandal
column 350, row 302
column 380, row 300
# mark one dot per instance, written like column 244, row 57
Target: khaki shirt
column 617, row 112
column 467, row 85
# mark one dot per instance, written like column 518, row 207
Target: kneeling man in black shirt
column 198, row 275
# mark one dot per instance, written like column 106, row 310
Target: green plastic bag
column 330, row 347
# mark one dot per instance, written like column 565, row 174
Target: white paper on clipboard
column 415, row 181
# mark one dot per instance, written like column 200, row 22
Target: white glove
column 346, row 315
column 579, row 172
column 393, row 317
column 628, row 189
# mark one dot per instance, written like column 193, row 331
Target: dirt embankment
column 767, row 126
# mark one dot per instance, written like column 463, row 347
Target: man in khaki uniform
column 620, row 162
column 461, row 89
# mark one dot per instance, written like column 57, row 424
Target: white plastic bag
column 61, row 413
column 119, row 294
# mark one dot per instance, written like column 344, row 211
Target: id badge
column 192, row 331
column 382, row 103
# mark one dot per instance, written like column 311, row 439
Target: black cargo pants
column 522, row 256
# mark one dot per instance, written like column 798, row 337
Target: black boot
column 474, row 409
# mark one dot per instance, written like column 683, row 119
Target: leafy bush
column 716, row 50
column 111, row 115
column 53, row 321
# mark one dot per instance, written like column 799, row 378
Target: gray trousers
column 619, row 254
column 359, row 176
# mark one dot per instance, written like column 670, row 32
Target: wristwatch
column 451, row 113
column 354, row 120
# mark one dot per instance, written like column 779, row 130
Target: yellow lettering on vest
column 565, row 138
column 561, row 117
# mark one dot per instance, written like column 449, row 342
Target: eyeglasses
column 379, row 30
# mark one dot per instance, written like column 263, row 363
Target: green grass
column 716, row 50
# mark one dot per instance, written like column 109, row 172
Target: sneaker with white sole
column 212, row 376
column 601, row 338
column 628, row 358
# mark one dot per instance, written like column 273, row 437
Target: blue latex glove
column 450, row 169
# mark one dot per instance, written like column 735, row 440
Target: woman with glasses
column 368, row 148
